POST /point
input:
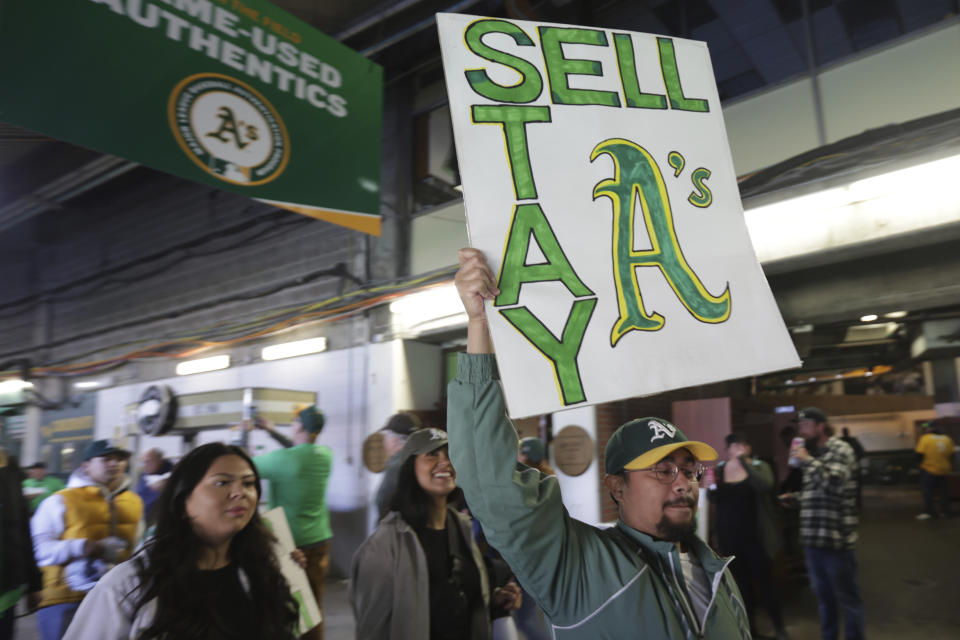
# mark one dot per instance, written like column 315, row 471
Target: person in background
column 298, row 476
column 153, row 468
column 533, row 454
column 40, row 484
column 854, row 443
column 18, row 569
column 745, row 526
column 859, row 452
column 81, row 532
column 208, row 573
column 395, row 434
column 828, row 523
column 937, row 450
column 420, row 576
column 529, row 617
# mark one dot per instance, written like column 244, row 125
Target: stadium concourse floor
column 909, row 574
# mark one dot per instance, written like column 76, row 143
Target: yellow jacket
column 937, row 450
column 70, row 517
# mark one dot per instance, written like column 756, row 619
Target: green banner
column 235, row 94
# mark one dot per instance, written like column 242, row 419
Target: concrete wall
column 912, row 78
column 884, row 431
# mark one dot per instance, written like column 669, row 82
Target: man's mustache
column 680, row 502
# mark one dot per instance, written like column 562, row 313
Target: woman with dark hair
column 745, row 526
column 420, row 576
column 207, row 573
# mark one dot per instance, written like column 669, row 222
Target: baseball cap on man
column 643, row 442
column 402, row 424
column 532, row 448
column 811, row 413
column 99, row 448
column 311, row 418
column 423, row 441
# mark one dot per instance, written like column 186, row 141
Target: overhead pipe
column 376, row 18
column 56, row 192
column 420, row 26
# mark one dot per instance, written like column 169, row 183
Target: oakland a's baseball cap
column 643, row 442
column 423, row 441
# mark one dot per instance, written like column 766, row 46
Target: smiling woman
column 420, row 575
column 208, row 572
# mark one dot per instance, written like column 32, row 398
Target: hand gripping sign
column 598, row 182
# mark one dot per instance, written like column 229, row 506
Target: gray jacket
column 109, row 610
column 389, row 586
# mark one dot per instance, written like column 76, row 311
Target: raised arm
column 475, row 283
column 519, row 508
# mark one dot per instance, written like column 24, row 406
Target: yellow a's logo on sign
column 228, row 129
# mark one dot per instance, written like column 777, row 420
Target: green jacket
column 592, row 583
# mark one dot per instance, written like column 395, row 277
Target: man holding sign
column 649, row 576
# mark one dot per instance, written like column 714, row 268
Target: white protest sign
column 598, row 182
column 296, row 577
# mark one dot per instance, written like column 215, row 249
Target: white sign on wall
column 598, row 182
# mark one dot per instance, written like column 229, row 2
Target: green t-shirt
column 51, row 484
column 298, row 483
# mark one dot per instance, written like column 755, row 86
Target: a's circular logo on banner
column 228, row 129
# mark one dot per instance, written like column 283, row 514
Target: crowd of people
column 472, row 530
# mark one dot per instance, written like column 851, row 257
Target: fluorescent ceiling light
column 296, row 348
column 93, row 384
column 14, row 384
column 202, row 365
column 427, row 310
column 870, row 317
column 895, row 314
column 435, row 302
column 895, row 203
column 458, row 319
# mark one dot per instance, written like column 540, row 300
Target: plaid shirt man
column 828, row 501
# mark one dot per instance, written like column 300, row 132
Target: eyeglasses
column 667, row 471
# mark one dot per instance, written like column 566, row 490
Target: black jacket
column 17, row 564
